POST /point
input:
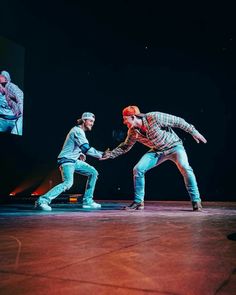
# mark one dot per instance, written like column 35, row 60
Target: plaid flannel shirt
column 14, row 97
column 159, row 136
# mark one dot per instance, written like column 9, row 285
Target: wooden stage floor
column 165, row 249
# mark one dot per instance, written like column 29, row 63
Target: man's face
column 3, row 79
column 129, row 121
column 88, row 124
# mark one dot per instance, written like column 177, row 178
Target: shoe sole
column 42, row 209
column 130, row 209
column 89, row 207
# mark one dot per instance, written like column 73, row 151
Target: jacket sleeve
column 94, row 153
column 82, row 142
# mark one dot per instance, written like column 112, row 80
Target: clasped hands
column 106, row 155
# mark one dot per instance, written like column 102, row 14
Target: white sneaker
column 91, row 205
column 43, row 206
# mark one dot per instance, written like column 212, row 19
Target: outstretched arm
column 167, row 120
column 122, row 148
column 79, row 137
column 91, row 151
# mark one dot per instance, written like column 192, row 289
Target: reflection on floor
column 165, row 249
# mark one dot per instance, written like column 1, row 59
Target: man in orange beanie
column 154, row 130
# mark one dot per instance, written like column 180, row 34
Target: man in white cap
column 72, row 160
column 11, row 105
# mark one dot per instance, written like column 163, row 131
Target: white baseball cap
column 88, row 115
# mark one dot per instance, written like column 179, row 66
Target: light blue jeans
column 7, row 125
column 67, row 173
column 152, row 159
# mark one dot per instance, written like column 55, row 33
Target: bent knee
column 138, row 171
column 185, row 169
column 67, row 185
column 94, row 172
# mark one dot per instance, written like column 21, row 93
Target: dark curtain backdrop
column 102, row 56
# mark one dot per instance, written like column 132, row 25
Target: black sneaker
column 135, row 206
column 197, row 206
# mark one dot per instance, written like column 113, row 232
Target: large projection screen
column 11, row 87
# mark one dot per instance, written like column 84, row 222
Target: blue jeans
column 7, row 125
column 67, row 172
column 152, row 159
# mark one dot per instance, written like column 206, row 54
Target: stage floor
column 166, row 249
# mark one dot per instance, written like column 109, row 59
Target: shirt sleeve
column 15, row 93
column 125, row 146
column 167, row 120
column 80, row 138
column 94, row 153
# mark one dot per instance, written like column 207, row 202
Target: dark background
column 101, row 56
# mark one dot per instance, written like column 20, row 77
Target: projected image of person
column 72, row 160
column 11, row 105
column 154, row 130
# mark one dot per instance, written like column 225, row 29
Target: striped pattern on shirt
column 14, row 97
column 159, row 136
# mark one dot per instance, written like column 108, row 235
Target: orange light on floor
column 49, row 181
column 73, row 200
column 29, row 182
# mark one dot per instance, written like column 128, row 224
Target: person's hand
column 199, row 138
column 82, row 157
column 106, row 155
